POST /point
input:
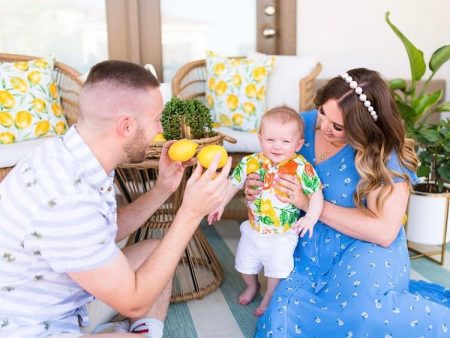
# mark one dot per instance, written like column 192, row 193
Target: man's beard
column 135, row 150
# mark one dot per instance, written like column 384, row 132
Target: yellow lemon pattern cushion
column 236, row 90
column 30, row 106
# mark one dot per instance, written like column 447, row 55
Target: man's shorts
column 98, row 313
column 274, row 252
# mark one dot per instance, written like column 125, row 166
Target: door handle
column 269, row 10
column 269, row 32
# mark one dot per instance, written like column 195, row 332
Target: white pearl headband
column 362, row 97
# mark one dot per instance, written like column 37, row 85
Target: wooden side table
column 198, row 272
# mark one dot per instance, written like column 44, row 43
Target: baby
column 270, row 235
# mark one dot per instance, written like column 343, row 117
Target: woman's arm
column 381, row 229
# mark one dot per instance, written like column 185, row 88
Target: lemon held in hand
column 159, row 138
column 182, row 150
column 206, row 155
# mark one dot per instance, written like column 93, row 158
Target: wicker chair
column 190, row 82
column 69, row 87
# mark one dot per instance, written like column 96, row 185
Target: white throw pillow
column 246, row 142
column 283, row 82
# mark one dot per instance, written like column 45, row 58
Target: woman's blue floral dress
column 344, row 287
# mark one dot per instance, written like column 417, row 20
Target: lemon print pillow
column 236, row 90
column 30, row 106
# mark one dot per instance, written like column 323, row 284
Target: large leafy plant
column 416, row 106
column 182, row 114
column 434, row 155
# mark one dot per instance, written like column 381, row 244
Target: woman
column 351, row 279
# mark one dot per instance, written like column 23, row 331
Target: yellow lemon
column 53, row 90
column 232, row 101
column 34, row 77
column 23, row 119
column 221, row 88
column 249, row 107
column 42, row 128
column 210, row 101
column 219, row 68
column 7, row 137
column 252, row 166
column 224, row 120
column 41, row 63
column 211, row 83
column 21, row 65
column 237, row 119
column 60, row 127
column 206, row 155
column 216, row 124
column 6, row 99
column 6, row 119
column 19, row 84
column 237, row 80
column 159, row 138
column 182, row 150
column 38, row 105
column 56, row 109
column 250, row 90
column 259, row 73
column 261, row 93
column 235, row 62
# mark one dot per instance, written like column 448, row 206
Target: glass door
column 170, row 33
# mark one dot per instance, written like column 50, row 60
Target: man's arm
column 133, row 215
column 133, row 292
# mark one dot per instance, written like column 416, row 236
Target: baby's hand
column 215, row 215
column 303, row 225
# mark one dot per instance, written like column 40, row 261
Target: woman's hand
column 253, row 186
column 292, row 189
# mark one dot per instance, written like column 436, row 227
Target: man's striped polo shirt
column 57, row 215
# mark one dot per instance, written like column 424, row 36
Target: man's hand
column 206, row 192
column 170, row 172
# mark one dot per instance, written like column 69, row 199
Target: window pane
column 189, row 28
column 73, row 31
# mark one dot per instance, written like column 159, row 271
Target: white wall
column 353, row 33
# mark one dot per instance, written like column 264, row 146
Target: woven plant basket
column 153, row 151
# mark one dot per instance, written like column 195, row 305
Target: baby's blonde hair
column 284, row 114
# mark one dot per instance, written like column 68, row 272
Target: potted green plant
column 416, row 106
column 434, row 154
column 186, row 118
column 428, row 206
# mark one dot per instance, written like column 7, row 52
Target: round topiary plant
column 193, row 112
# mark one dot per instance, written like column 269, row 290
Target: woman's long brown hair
column 373, row 141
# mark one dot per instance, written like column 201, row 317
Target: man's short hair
column 122, row 73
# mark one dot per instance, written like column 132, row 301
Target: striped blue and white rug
column 218, row 315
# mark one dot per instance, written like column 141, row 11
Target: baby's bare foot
column 249, row 293
column 261, row 308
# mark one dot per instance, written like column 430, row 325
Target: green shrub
column 193, row 112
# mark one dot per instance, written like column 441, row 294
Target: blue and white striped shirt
column 58, row 214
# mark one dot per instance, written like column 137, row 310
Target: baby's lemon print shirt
column 267, row 214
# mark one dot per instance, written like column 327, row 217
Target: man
column 58, row 219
